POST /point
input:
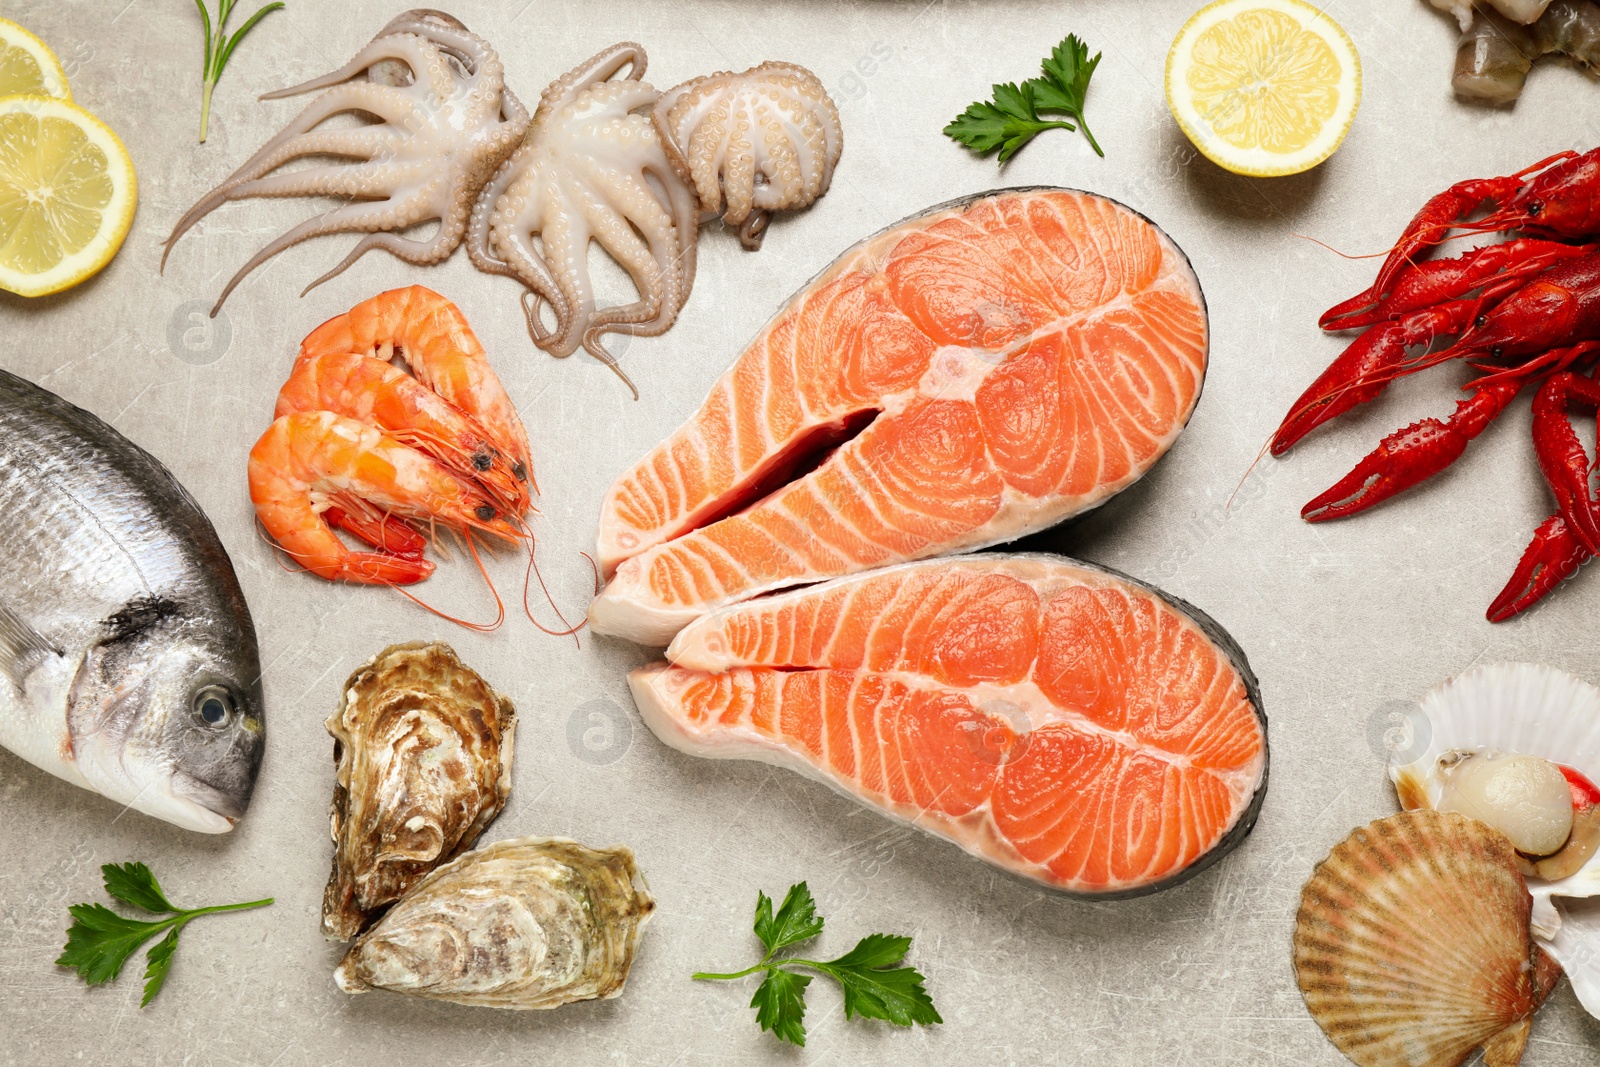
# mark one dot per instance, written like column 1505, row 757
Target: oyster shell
column 1412, row 946
column 533, row 923
column 424, row 749
column 1525, row 709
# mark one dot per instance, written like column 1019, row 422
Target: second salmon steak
column 1064, row 723
column 981, row 371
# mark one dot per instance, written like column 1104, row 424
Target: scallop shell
column 1412, row 945
column 534, row 923
column 1534, row 710
column 424, row 750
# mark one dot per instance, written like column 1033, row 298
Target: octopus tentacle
column 361, row 216
column 283, row 148
column 408, row 49
column 412, row 251
column 597, row 68
column 354, row 181
column 566, row 236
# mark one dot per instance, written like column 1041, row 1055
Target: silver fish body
column 128, row 660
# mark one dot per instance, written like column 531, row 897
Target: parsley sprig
column 874, row 987
column 1012, row 119
column 99, row 941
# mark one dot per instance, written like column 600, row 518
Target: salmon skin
column 1061, row 721
column 978, row 372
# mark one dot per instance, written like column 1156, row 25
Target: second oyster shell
column 533, row 923
column 424, row 750
column 1412, row 945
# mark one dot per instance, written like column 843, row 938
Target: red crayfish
column 1523, row 311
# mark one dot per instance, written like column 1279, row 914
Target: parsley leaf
column 876, row 989
column 873, row 986
column 797, row 919
column 1008, row 123
column 780, row 1004
column 132, row 883
column 1067, row 71
column 99, row 941
column 1012, row 119
column 157, row 962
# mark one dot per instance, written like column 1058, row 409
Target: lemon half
column 67, row 194
column 1264, row 87
column 27, row 66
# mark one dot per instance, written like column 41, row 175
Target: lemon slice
column 67, row 194
column 27, row 66
column 1264, row 87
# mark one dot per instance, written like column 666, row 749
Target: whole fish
column 128, row 660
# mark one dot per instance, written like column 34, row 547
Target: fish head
column 166, row 716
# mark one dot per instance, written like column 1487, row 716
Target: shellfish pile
column 1442, row 929
column 424, row 749
column 391, row 424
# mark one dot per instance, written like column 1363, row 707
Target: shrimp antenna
column 480, row 627
column 534, row 572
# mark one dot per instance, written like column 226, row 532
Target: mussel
column 530, row 923
column 423, row 747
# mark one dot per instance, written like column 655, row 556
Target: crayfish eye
column 1481, row 321
column 1496, row 351
column 1534, row 207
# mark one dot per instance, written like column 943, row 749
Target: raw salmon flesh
column 1063, row 722
column 978, row 372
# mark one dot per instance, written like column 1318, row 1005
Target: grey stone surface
column 1340, row 620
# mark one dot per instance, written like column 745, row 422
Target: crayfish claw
column 1565, row 464
column 1403, row 459
column 1553, row 556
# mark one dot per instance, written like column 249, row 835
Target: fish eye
column 214, row 705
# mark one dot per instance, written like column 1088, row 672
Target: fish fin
column 22, row 648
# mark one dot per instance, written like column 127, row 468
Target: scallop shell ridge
column 1412, row 944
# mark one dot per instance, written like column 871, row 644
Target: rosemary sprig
column 219, row 49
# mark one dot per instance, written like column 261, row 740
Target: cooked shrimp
column 313, row 467
column 381, row 395
column 432, row 336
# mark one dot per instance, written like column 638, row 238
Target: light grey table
column 1340, row 621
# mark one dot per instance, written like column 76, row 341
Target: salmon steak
column 978, row 372
column 1063, row 722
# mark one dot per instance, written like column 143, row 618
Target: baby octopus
column 591, row 169
column 753, row 143
column 445, row 121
